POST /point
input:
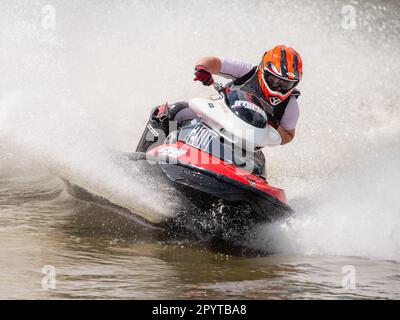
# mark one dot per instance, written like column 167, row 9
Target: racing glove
column 203, row 75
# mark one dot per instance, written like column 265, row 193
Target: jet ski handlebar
column 219, row 87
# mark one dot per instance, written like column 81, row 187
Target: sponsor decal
column 171, row 151
column 200, row 137
column 211, row 105
column 275, row 100
column 152, row 130
column 250, row 106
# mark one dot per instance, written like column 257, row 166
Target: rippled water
column 98, row 254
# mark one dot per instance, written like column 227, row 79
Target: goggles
column 278, row 84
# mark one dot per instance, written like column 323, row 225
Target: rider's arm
column 286, row 135
column 226, row 67
column 212, row 64
column 289, row 120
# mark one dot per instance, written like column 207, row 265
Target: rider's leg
column 160, row 122
column 181, row 113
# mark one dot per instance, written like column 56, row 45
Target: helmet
column 279, row 72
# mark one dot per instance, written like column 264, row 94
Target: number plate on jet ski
column 200, row 137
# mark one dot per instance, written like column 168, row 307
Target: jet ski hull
column 217, row 207
column 205, row 180
column 204, row 188
column 220, row 192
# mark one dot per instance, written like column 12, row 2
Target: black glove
column 203, row 75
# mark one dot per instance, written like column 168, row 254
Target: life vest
column 248, row 89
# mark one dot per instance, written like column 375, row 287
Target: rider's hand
column 203, row 75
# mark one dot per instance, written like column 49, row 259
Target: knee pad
column 174, row 108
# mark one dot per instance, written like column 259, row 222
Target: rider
column 270, row 85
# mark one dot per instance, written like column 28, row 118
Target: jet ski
column 211, row 162
column 212, row 159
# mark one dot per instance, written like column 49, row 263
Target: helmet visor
column 277, row 84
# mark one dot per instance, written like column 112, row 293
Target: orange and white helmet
column 279, row 72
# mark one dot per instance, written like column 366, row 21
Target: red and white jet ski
column 211, row 161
